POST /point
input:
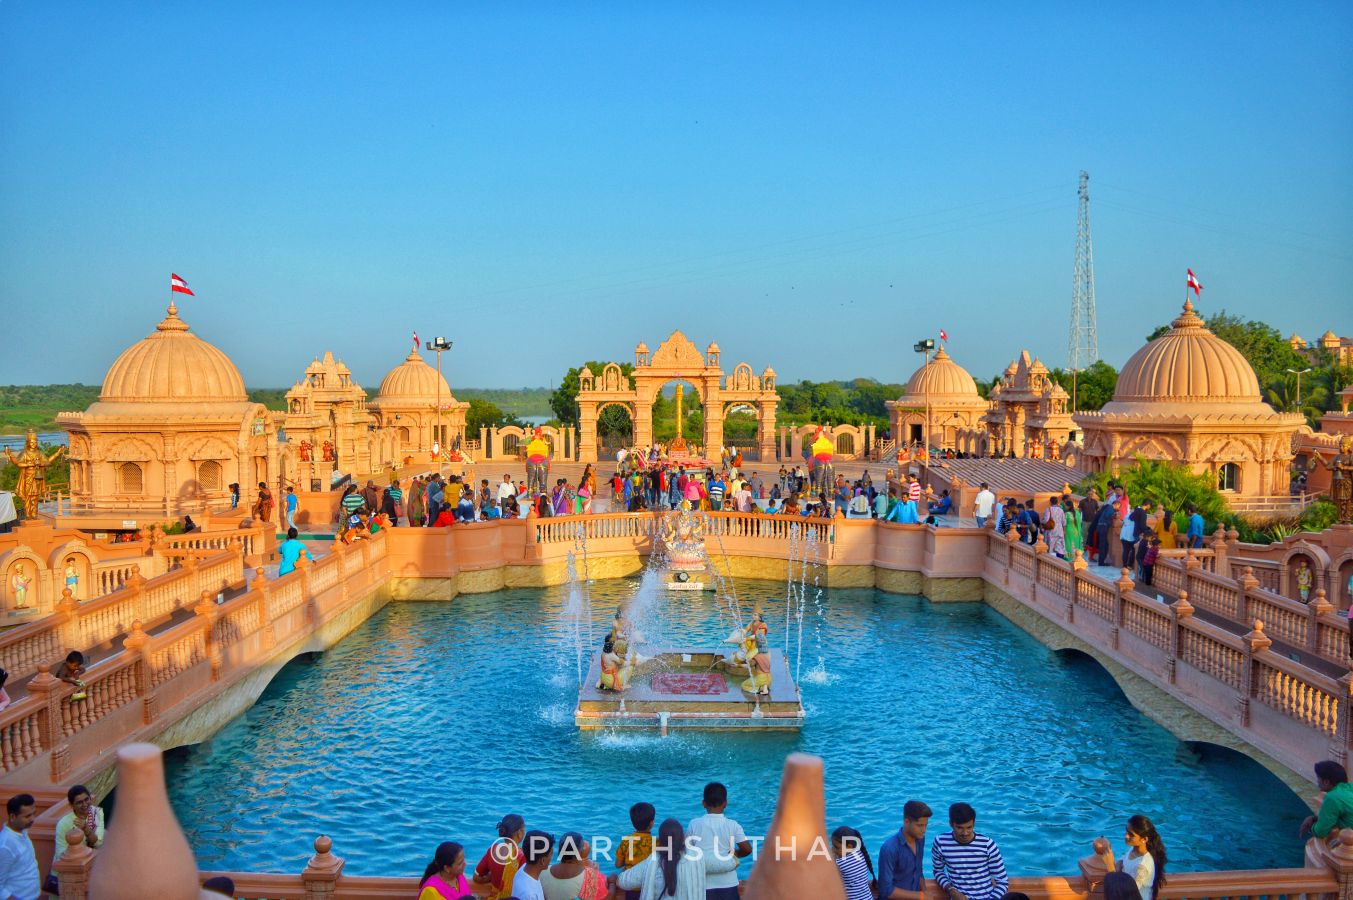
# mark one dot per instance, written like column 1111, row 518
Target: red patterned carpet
column 688, row 683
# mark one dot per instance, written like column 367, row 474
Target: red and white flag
column 1194, row 284
column 944, row 335
column 178, row 286
column 416, row 346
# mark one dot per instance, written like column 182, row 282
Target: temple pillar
column 765, row 432
column 587, row 431
column 643, row 424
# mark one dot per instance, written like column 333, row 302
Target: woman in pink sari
column 444, row 878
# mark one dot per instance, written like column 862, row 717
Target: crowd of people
column 699, row 861
column 1067, row 526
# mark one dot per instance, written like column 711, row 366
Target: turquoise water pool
column 431, row 721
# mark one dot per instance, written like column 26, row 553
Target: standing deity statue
column 72, row 578
column 537, row 462
column 306, row 450
column 32, row 464
column 328, row 451
column 1341, row 482
column 19, row 583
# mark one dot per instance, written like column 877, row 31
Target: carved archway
column 677, row 359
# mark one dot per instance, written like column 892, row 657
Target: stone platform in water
column 688, row 699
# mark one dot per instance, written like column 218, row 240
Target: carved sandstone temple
column 173, row 427
column 1189, row 397
column 677, row 359
column 1029, row 412
column 407, row 403
column 942, row 395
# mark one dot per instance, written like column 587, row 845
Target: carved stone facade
column 172, row 429
column 942, row 394
column 1189, row 397
column 1029, row 416
column 328, row 427
column 407, row 405
column 677, row 359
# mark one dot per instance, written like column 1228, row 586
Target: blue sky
column 814, row 187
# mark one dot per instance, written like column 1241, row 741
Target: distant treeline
column 24, row 406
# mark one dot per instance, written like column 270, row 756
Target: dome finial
column 1188, row 318
column 172, row 322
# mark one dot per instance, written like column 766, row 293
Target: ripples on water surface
column 431, row 721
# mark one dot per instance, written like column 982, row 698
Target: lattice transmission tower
column 1084, row 343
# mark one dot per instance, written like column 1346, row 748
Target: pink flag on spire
column 416, row 346
column 1194, row 284
column 178, row 286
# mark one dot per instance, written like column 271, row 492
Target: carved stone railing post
column 135, row 586
column 208, row 612
column 1255, row 642
column 261, row 588
column 135, row 642
column 322, row 872
column 307, row 595
column 1078, row 565
column 1180, row 610
column 1343, row 726
column 1244, row 584
column 1318, row 607
column 51, row 729
column 68, row 614
column 1220, row 563
column 73, row 868
column 1339, row 858
column 1122, row 586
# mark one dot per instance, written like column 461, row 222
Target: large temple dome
column 414, row 379
column 172, row 365
column 1188, row 367
column 941, row 377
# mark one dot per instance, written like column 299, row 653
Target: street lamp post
column 1298, row 373
column 925, row 346
column 439, row 344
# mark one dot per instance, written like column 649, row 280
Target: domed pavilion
column 1190, row 397
column 173, row 427
column 407, row 403
column 940, row 393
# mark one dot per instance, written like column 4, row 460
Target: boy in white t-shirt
column 716, row 833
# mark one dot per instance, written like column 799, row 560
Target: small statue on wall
column 19, row 583
column 72, row 578
column 328, row 450
column 306, row 449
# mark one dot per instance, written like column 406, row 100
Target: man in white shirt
column 985, row 501
column 538, row 848
column 716, row 833
column 506, row 489
column 18, row 862
column 744, row 497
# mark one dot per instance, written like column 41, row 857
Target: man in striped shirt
column 968, row 865
column 914, row 490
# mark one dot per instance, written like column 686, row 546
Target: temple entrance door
column 742, row 429
column 615, row 428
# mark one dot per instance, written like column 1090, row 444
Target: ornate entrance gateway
column 677, row 359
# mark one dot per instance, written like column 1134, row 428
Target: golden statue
column 678, row 445
column 32, row 464
column 1341, row 480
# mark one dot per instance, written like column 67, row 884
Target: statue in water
column 32, row 464
column 537, row 463
column 751, row 656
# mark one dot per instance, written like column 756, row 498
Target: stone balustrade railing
column 157, row 679
column 1313, row 627
column 248, row 541
column 1290, row 712
column 643, row 526
column 83, row 626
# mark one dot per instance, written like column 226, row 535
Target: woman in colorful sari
column 499, row 866
column 1075, row 528
column 574, row 876
column 444, row 878
column 263, row 507
column 587, row 489
column 416, row 507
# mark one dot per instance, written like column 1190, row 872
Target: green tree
column 564, row 400
column 484, row 414
column 1170, row 485
column 1091, row 388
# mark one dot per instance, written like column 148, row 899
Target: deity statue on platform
column 32, row 464
column 19, row 583
column 306, row 450
column 823, row 451
column 751, row 655
column 1341, row 481
column 537, row 462
column 328, row 450
column 72, row 578
column 1054, row 450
